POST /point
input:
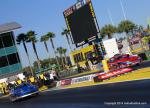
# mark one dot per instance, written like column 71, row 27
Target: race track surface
column 117, row 95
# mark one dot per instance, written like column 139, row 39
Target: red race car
column 124, row 60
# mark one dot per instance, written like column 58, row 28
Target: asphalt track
column 135, row 94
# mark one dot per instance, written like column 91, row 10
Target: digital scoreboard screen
column 81, row 22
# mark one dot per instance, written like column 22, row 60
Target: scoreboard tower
column 82, row 24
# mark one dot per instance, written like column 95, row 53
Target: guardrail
column 66, row 73
column 96, row 77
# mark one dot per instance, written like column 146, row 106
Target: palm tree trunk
column 46, row 47
column 109, row 36
column 35, row 51
column 28, row 58
column 51, row 40
column 62, row 61
column 65, row 58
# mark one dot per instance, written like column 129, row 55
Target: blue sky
column 43, row 16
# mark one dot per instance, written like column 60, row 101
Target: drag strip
column 93, row 96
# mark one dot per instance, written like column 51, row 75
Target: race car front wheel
column 12, row 98
column 97, row 79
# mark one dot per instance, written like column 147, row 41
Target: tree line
column 108, row 30
column 30, row 37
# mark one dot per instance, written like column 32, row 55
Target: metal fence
column 66, row 73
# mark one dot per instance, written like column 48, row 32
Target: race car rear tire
column 12, row 98
column 96, row 79
column 138, row 64
column 36, row 94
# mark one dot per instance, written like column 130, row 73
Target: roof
column 9, row 75
column 9, row 27
column 83, row 50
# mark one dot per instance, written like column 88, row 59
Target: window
column 88, row 55
column 13, row 58
column 78, row 57
column 1, row 44
column 81, row 57
column 3, row 61
column 7, row 39
column 75, row 58
column 18, row 57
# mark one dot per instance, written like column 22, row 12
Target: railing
column 66, row 73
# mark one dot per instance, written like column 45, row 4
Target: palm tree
column 140, row 28
column 108, row 30
column 148, row 27
column 60, row 51
column 64, row 53
column 31, row 38
column 22, row 38
column 44, row 39
column 67, row 33
column 126, row 26
column 51, row 35
column 145, row 41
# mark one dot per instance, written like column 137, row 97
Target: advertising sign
column 82, row 79
column 111, row 74
column 111, row 47
column 65, row 82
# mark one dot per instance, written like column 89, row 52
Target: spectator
column 32, row 80
column 19, row 81
column 41, row 78
column 9, row 86
column 149, row 44
column 54, row 73
column 51, row 77
column 87, row 65
column 78, row 68
column 46, row 75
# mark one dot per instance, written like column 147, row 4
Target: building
column 9, row 59
column 80, row 56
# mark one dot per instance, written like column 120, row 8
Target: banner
column 65, row 82
column 104, row 76
column 82, row 79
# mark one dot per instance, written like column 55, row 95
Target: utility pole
column 123, row 11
